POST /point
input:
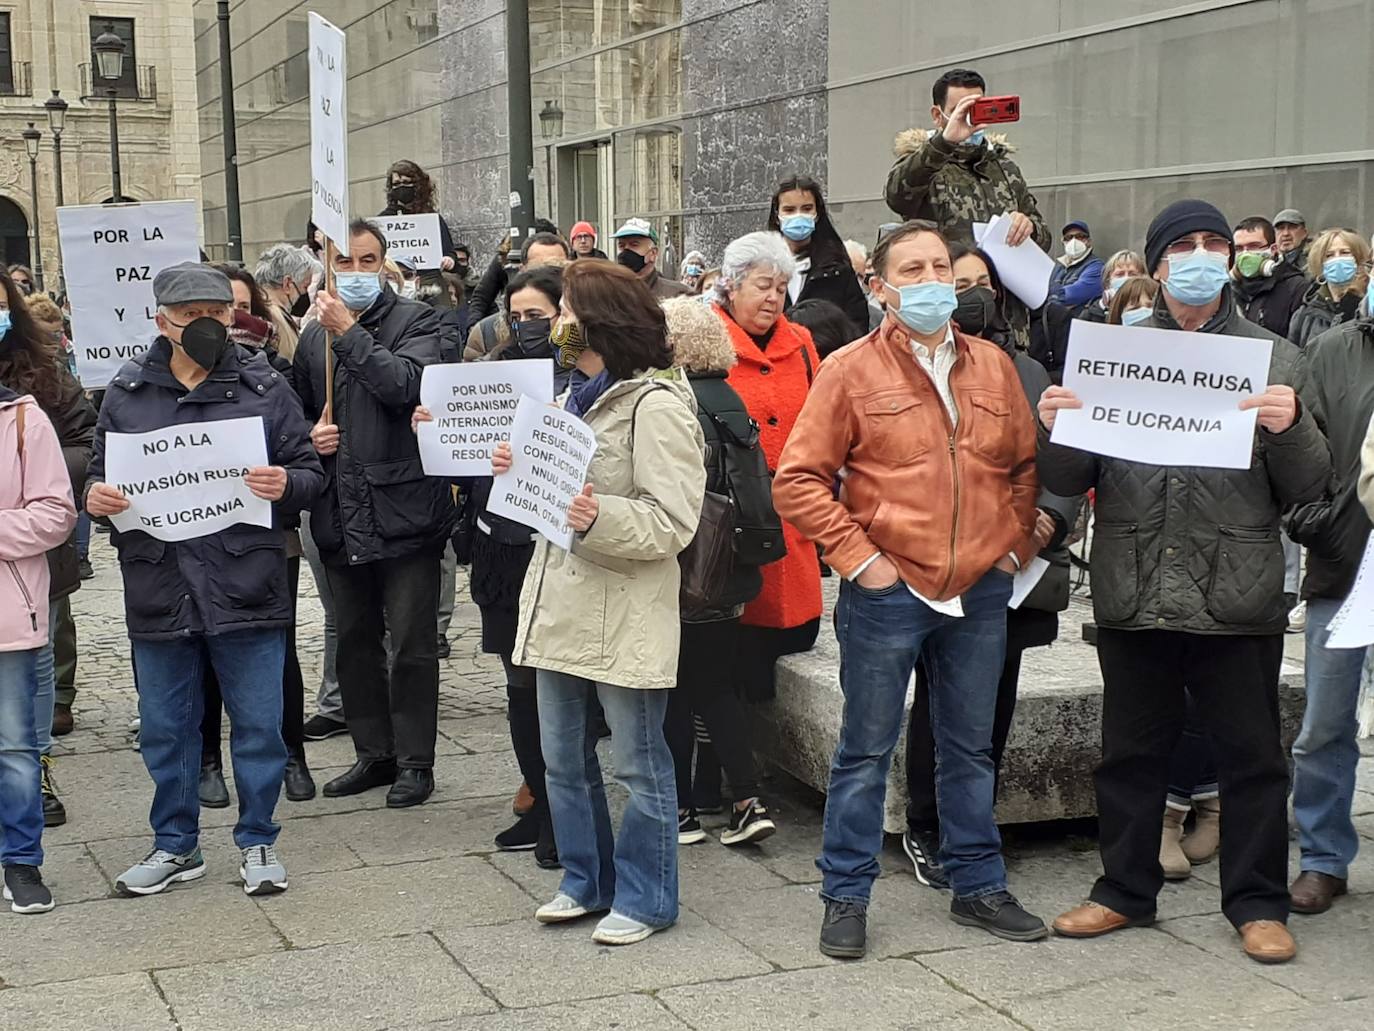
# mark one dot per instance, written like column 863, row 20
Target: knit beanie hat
column 1179, row 219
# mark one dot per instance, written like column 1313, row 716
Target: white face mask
column 408, row 289
column 1075, row 248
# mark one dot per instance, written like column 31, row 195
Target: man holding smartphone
column 955, row 175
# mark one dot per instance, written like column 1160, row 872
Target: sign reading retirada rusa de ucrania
column 188, row 481
column 1163, row 397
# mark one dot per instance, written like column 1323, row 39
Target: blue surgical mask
column 358, row 289
column 1135, row 316
column 4, row 323
column 1339, row 270
column 1368, row 299
column 976, row 140
column 1115, row 284
column 798, row 227
column 925, row 307
column 1196, row 278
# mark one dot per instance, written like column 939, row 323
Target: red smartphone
column 991, row 110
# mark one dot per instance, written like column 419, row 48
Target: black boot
column 213, row 792
column 362, row 776
column 520, row 836
column 411, row 788
column 54, row 812
column 844, row 931
column 546, row 849
column 300, row 786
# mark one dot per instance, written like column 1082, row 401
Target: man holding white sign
column 1187, row 582
column 204, row 579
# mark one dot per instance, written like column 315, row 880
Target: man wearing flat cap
column 1187, row 583
column 1293, row 238
column 220, row 599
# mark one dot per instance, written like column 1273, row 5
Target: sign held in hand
column 1162, row 397
column 412, row 239
column 187, row 481
column 551, row 449
column 1025, row 269
column 1353, row 624
column 328, row 60
column 111, row 255
column 474, row 405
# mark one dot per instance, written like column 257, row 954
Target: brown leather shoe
column 1313, row 892
column 523, row 802
column 1268, row 941
column 1092, row 920
column 62, row 722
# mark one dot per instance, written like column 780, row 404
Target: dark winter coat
column 73, row 419
column 377, row 502
column 1334, row 528
column 834, row 281
column 1190, row 548
column 1319, row 312
column 1075, row 286
column 1049, row 338
column 1272, row 301
column 231, row 580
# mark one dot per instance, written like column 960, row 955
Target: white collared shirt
column 938, row 367
column 797, row 283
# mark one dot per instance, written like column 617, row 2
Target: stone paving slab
column 891, row 995
column 528, row 964
column 1135, row 980
column 73, row 871
column 189, row 923
column 128, row 1002
column 376, row 902
column 1341, row 1016
column 395, row 982
column 632, row 1012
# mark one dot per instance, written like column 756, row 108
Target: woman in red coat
column 777, row 362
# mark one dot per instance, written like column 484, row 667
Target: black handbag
column 710, row 559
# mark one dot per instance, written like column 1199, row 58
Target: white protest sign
column 1025, row 268
column 1026, row 579
column 1162, row 396
column 551, row 450
column 329, row 131
column 474, row 405
column 111, row 254
column 1353, row 624
column 187, row 481
column 412, row 239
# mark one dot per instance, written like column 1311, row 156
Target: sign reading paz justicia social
column 111, row 255
column 551, row 450
column 1161, row 396
column 413, row 239
column 187, row 481
column 474, row 405
column 329, row 131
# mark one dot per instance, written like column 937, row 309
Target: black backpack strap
column 810, row 374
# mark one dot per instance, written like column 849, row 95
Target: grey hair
column 754, row 251
column 284, row 260
column 1122, row 258
column 855, row 247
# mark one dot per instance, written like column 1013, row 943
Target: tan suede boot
column 1201, row 845
column 1171, row 857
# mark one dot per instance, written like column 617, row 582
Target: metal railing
column 144, row 86
column 20, row 82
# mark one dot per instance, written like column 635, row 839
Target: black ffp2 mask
column 205, row 340
column 632, row 260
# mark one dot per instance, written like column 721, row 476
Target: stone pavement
column 411, row 920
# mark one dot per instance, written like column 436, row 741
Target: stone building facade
column 45, row 45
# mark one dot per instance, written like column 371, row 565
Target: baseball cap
column 636, row 227
column 1076, row 224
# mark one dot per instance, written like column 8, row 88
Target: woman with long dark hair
column 32, row 363
column 600, row 622
column 410, row 191
column 823, row 269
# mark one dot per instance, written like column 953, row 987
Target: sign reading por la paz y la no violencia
column 1162, row 397
column 412, row 239
column 474, row 405
column 187, row 481
column 329, row 130
column 551, row 450
column 111, row 253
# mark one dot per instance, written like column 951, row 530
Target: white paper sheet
column 474, row 405
column 1025, row 268
column 1025, row 580
column 1353, row 624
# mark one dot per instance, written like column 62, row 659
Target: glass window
column 563, row 28
column 127, row 83
column 6, row 55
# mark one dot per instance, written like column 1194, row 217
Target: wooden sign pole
column 328, row 336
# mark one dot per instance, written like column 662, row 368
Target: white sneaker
column 1297, row 618
column 262, row 872
column 562, row 909
column 615, row 929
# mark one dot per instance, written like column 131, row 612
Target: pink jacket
column 36, row 515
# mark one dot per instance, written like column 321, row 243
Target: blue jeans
column 83, row 536
column 45, row 672
column 171, row 702
column 1326, row 753
column 21, row 804
column 881, row 635
column 635, row 874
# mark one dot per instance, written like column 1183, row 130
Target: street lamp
column 109, row 58
column 31, row 138
column 551, row 128
column 57, row 121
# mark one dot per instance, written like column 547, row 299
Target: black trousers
column 292, row 686
column 706, row 664
column 522, row 712
column 391, row 714
column 1233, row 682
column 922, row 814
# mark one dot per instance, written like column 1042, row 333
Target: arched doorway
column 14, row 233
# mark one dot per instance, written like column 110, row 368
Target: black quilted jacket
column 1190, row 548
